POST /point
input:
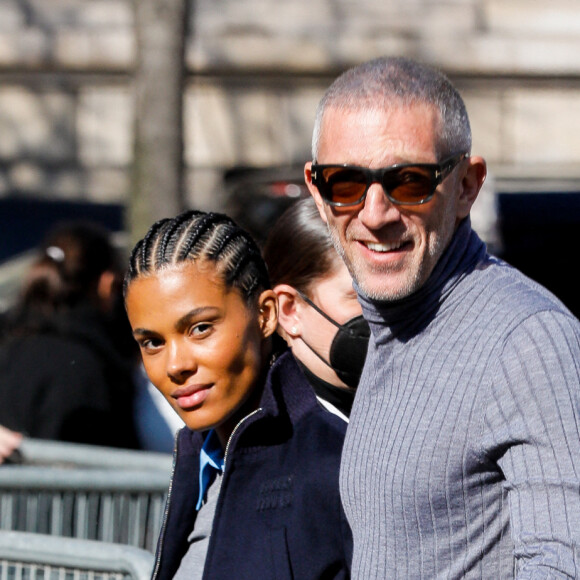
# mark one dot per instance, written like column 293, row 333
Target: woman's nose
column 181, row 362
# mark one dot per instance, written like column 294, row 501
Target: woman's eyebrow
column 185, row 320
column 142, row 332
column 182, row 323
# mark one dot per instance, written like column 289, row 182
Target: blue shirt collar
column 211, row 461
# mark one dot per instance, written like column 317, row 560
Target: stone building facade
column 256, row 70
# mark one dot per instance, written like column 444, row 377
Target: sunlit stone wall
column 257, row 69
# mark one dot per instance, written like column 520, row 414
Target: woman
column 65, row 373
column 320, row 317
column 254, row 492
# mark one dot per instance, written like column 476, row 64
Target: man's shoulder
column 501, row 289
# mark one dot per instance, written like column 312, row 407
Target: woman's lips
column 191, row 396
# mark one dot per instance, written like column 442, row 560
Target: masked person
column 320, row 317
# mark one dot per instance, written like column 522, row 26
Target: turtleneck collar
column 407, row 316
column 341, row 397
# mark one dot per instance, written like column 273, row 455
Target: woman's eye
column 201, row 329
column 150, row 344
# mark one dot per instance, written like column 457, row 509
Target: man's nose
column 378, row 210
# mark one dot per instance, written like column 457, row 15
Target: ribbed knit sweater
column 462, row 457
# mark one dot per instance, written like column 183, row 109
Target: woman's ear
column 268, row 312
column 288, row 316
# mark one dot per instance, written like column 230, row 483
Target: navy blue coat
column 279, row 514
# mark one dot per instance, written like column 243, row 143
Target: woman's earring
column 293, row 331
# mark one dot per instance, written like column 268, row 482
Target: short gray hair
column 379, row 82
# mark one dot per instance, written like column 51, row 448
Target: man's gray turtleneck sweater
column 462, row 458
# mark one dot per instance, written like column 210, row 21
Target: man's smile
column 384, row 246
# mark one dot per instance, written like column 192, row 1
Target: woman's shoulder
column 322, row 434
column 308, row 417
column 325, row 423
column 297, row 394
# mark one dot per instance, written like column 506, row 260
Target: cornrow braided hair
column 199, row 236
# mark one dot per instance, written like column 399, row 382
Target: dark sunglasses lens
column 409, row 184
column 343, row 185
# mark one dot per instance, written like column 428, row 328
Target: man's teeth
column 375, row 247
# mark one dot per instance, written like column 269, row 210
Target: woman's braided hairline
column 201, row 236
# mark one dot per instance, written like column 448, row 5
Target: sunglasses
column 404, row 184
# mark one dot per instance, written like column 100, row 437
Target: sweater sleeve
column 533, row 417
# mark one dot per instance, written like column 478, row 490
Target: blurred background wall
column 254, row 71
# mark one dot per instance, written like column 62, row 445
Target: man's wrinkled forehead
column 380, row 131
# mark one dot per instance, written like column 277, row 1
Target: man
column 462, row 458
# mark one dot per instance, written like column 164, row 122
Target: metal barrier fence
column 27, row 556
column 85, row 491
column 57, row 453
column 121, row 506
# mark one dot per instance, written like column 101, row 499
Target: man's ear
column 288, row 316
column 470, row 185
column 314, row 190
column 268, row 312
